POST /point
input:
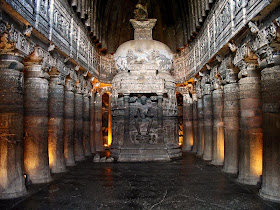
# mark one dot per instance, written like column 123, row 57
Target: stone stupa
column 144, row 105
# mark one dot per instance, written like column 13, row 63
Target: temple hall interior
column 140, row 104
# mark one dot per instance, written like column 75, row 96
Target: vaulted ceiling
column 178, row 21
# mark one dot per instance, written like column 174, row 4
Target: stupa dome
column 132, row 55
column 143, row 53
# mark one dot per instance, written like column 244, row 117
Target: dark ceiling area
column 178, row 21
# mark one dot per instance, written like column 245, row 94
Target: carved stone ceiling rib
column 112, row 27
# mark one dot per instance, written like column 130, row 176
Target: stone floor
column 189, row 183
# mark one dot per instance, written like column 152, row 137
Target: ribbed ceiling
column 108, row 20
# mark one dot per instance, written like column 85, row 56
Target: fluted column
column 56, row 109
column 195, row 123
column 231, row 120
column 36, row 86
column 92, row 124
column 12, row 183
column 208, row 122
column 200, row 121
column 187, row 122
column 218, row 121
column 270, row 77
column 98, row 122
column 68, row 133
column 78, row 124
column 86, row 122
column 250, row 157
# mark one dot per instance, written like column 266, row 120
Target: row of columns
column 235, row 121
column 45, row 124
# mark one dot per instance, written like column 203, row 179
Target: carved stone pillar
column 250, row 158
column 195, row 123
column 231, row 120
column 187, row 122
column 78, row 125
column 12, row 183
column 56, row 108
column 200, row 121
column 208, row 122
column 92, row 124
column 218, row 122
column 265, row 43
column 126, row 116
column 270, row 77
column 36, row 86
column 98, row 123
column 69, row 109
column 86, row 124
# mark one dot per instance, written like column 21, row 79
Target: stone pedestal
column 200, row 121
column 218, row 128
column 68, row 134
column 98, row 123
column 92, row 125
column 78, row 127
column 86, row 126
column 187, row 123
column 250, row 158
column 56, row 107
column 231, row 123
column 36, row 159
column 270, row 188
column 208, row 126
column 195, row 125
column 12, row 183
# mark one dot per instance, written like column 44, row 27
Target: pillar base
column 59, row 170
column 216, row 163
column 79, row 158
column 70, row 163
column 267, row 196
column 207, row 158
column 41, row 180
column 248, row 181
column 12, row 195
column 230, row 170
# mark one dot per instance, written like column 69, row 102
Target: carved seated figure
column 143, row 120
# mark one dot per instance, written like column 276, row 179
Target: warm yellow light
column 221, row 143
column 181, row 140
column 109, row 123
column 257, row 157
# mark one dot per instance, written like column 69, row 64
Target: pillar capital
column 264, row 43
column 215, row 77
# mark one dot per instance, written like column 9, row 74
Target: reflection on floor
column 189, row 183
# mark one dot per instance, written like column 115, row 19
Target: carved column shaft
column 92, row 125
column 208, row 125
column 195, row 126
column 98, row 123
column 250, row 158
column 218, row 127
column 56, row 142
column 69, row 109
column 126, row 117
column 271, row 139
column 231, row 121
column 86, row 126
column 36, row 159
column 200, row 121
column 78, row 127
column 12, row 182
column 187, row 123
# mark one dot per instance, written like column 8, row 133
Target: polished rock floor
column 189, row 183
